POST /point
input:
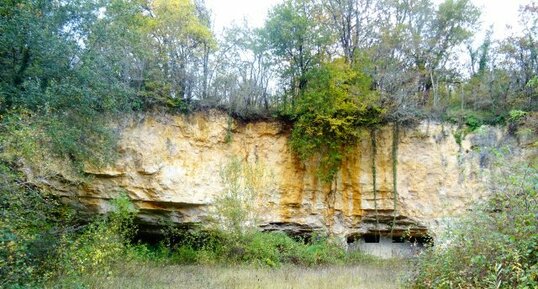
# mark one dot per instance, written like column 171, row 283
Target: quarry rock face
column 171, row 166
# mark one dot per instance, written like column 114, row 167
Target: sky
column 498, row 13
column 227, row 11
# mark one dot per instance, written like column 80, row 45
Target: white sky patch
column 101, row 12
column 503, row 15
column 226, row 12
column 499, row 13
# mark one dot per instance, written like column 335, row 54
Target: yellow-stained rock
column 170, row 165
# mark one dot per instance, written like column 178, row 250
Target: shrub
column 101, row 242
column 186, row 254
column 43, row 242
column 336, row 104
column 495, row 246
column 472, row 122
column 323, row 251
column 31, row 225
column 258, row 248
column 515, row 115
column 270, row 249
column 235, row 207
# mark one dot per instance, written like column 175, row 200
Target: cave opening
column 371, row 238
column 398, row 239
column 384, row 245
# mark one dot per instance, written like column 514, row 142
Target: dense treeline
column 67, row 66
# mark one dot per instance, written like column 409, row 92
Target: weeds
column 45, row 244
column 495, row 246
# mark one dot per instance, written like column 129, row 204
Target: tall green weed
column 495, row 245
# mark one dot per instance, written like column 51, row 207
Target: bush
column 336, row 104
column 244, row 182
column 186, row 254
column 101, row 244
column 43, row 243
column 270, row 249
column 495, row 246
column 515, row 115
column 257, row 248
column 31, row 225
column 324, row 251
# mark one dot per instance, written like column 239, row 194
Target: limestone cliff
column 169, row 166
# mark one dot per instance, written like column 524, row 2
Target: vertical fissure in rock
column 395, row 142
column 373, row 134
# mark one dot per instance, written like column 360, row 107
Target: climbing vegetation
column 330, row 115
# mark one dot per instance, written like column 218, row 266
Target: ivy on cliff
column 337, row 102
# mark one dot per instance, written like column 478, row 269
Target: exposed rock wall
column 170, row 167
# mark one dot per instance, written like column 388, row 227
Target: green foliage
column 55, row 96
column 296, row 36
column 515, row 115
column 271, row 249
column 66, row 71
column 329, row 117
column 469, row 121
column 30, row 223
column 179, row 39
column 95, row 249
column 495, row 246
column 459, row 136
column 235, row 207
column 43, row 242
column 472, row 123
column 276, row 248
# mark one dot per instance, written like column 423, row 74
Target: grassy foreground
column 379, row 274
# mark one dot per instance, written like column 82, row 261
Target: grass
column 379, row 274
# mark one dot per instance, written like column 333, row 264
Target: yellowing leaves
column 177, row 19
column 336, row 104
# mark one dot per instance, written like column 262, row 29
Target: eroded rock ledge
column 169, row 166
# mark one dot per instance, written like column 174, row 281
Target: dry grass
column 384, row 275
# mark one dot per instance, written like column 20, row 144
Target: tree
column 416, row 41
column 55, row 87
column 297, row 36
column 502, row 74
column 240, row 73
column 354, row 23
column 182, row 40
column 520, row 59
